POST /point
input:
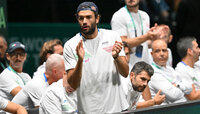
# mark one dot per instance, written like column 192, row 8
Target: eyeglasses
column 15, row 55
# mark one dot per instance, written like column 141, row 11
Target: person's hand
column 80, row 50
column 158, row 99
column 117, row 47
column 153, row 33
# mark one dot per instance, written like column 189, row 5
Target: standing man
column 94, row 58
column 133, row 26
column 12, row 79
column 3, row 48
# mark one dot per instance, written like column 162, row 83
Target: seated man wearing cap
column 12, row 79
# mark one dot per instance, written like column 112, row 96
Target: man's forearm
column 74, row 75
column 122, row 65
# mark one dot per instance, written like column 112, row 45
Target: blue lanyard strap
column 183, row 63
column 11, row 69
column 45, row 77
column 134, row 22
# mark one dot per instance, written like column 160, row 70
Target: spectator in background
column 48, row 48
column 133, row 26
column 165, row 77
column 12, row 79
column 3, row 48
column 31, row 94
column 11, row 107
column 189, row 52
column 165, row 34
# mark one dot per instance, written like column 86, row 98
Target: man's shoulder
column 121, row 14
column 5, row 73
column 74, row 40
column 56, row 87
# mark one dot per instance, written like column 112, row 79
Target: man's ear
column 170, row 38
column 189, row 51
column 8, row 56
column 98, row 19
column 132, row 75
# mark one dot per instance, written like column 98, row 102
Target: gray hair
column 142, row 66
column 183, row 45
column 54, row 60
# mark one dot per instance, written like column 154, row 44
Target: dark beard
column 136, row 88
column 91, row 30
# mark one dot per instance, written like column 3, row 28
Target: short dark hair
column 142, row 66
column 184, row 44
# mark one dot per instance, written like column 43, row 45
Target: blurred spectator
column 3, row 48
column 12, row 79
column 31, row 94
column 48, row 48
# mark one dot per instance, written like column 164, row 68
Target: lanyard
column 45, row 77
column 164, row 75
column 156, row 66
column 134, row 22
column 3, row 66
column 11, row 69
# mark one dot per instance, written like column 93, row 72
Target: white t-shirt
column 40, row 70
column 188, row 73
column 169, row 61
column 122, row 23
column 132, row 97
column 197, row 65
column 3, row 103
column 10, row 80
column 100, row 89
column 163, row 78
column 57, row 101
column 31, row 94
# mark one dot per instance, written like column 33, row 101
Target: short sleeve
column 118, row 24
column 69, row 57
column 3, row 103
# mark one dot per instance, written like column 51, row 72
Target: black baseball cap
column 15, row 45
column 87, row 6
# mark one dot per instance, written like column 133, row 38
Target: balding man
column 165, row 78
column 30, row 95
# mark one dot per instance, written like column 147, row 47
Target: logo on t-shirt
column 108, row 49
column 86, row 57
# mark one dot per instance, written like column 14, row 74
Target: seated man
column 189, row 52
column 48, row 48
column 164, row 34
column 31, row 94
column 139, row 77
column 12, row 79
column 165, row 78
column 11, row 107
column 59, row 98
